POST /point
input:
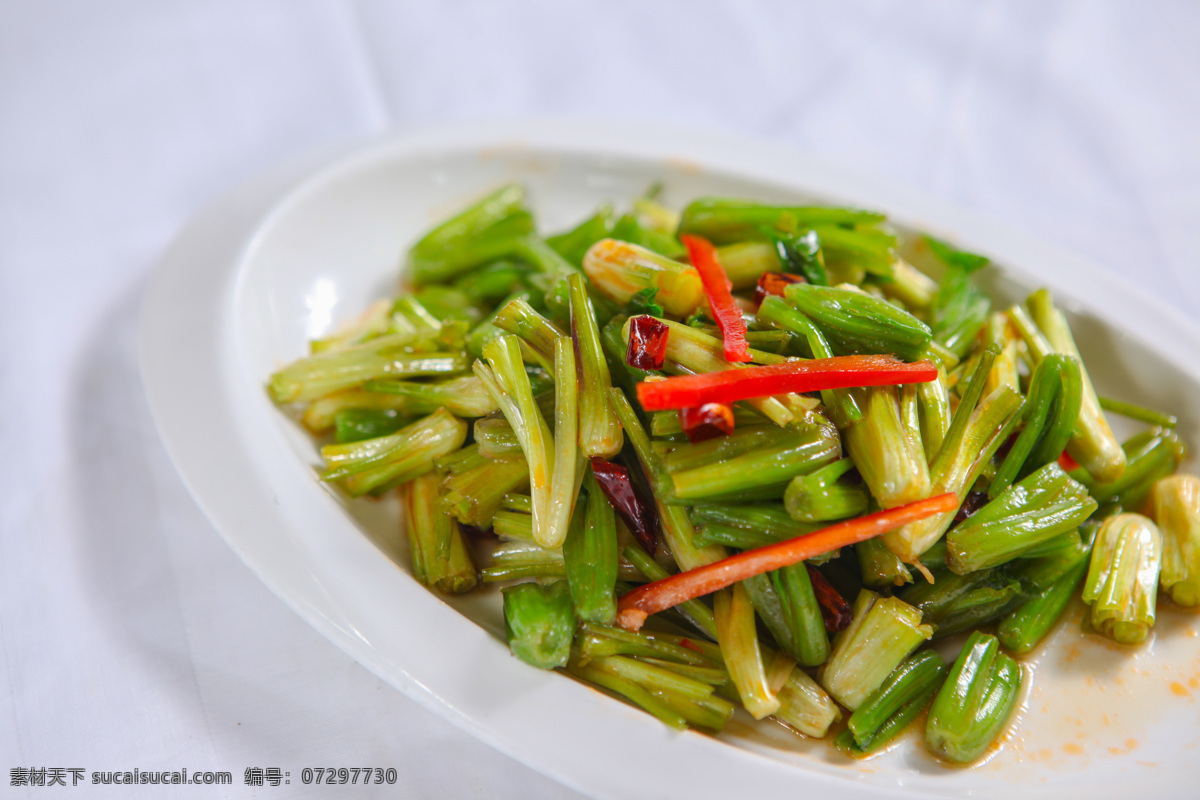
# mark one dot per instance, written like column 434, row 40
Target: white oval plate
column 279, row 260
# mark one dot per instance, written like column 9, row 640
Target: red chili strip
column 635, row 510
column 835, row 611
column 1067, row 463
column 706, row 422
column 647, row 343
column 717, row 286
column 651, row 598
column 732, row 385
column 773, row 283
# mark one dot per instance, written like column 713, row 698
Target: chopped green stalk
column 1150, row 456
column 574, row 244
column 805, row 706
column 539, row 623
column 1176, row 504
column 1021, row 630
column 821, row 496
column 745, row 262
column 721, row 219
column 715, row 676
column 675, row 699
column 496, row 438
column 1094, row 446
column 648, row 701
column 1055, row 398
column 1004, row 372
column 1139, row 413
column 513, row 526
column 596, row 641
column 485, row 232
column 910, row 680
column 976, row 431
column 568, row 463
column 334, row 370
column 974, row 703
column 508, row 384
column 1037, row 509
column 440, row 557
column 620, row 270
column 801, row 614
column 960, row 309
column 776, row 312
column 889, row 455
column 892, row 727
column 770, row 521
column 652, row 465
column 373, row 464
column 738, row 637
column 804, row 451
column 518, row 318
column 599, row 430
column 321, row 415
column 520, row 559
column 493, row 209
column 694, row 611
column 689, row 455
column 463, row 396
column 855, row 322
column 910, row 286
column 662, row 678
column 881, row 567
column 883, row 632
column 356, row 424
column 956, row 602
column 1122, row 579
column 516, row 501
column 475, row 495
column 590, row 553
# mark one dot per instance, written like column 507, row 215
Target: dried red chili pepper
column 773, row 283
column 635, row 510
column 834, row 608
column 707, row 421
column 647, row 343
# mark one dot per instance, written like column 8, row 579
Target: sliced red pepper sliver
column 717, row 287
column 651, row 598
column 1067, row 463
column 744, row 383
column 647, row 343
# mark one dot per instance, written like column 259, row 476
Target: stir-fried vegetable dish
column 749, row 455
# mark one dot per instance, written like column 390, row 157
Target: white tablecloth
column 132, row 636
